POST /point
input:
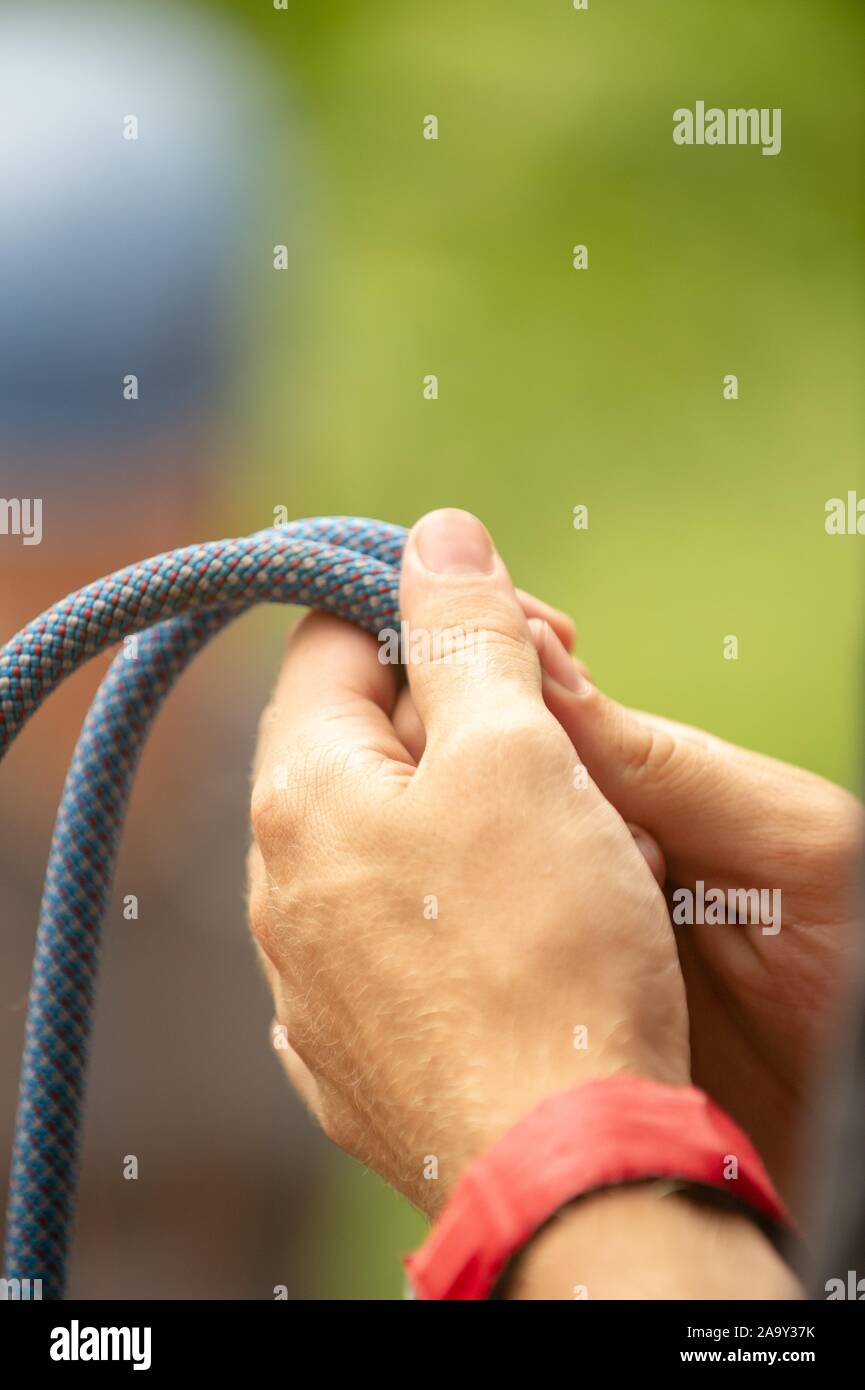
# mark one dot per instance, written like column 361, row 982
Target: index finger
column 332, row 688
column 561, row 624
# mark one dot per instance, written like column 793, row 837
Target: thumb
column 468, row 639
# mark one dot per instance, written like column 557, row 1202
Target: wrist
column 654, row 1240
column 625, row 1133
column 489, row 1120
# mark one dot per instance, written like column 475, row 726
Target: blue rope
column 177, row 601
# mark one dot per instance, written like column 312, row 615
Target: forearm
column 647, row 1242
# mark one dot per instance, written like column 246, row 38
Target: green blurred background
column 559, row 387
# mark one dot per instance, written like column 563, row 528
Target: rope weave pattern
column 177, row 601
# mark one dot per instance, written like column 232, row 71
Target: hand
column 436, row 930
column 763, row 1003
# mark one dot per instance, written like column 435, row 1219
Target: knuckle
column 489, row 627
column 294, row 791
column 647, row 751
column 496, row 612
column 267, row 814
column 517, row 735
column 522, row 728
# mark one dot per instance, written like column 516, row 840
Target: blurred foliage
column 561, row 387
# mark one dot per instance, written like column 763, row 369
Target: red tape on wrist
column 604, row 1133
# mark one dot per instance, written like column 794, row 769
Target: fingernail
column 451, row 541
column 555, row 660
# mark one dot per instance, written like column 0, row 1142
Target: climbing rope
column 177, row 602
